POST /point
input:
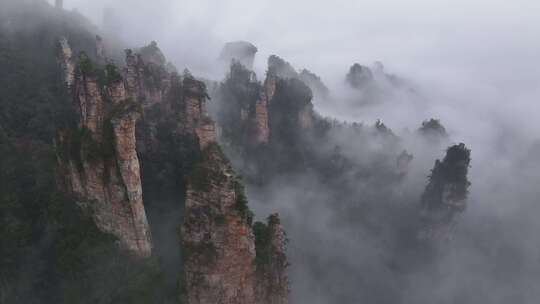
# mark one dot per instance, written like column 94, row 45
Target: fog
column 479, row 55
column 473, row 64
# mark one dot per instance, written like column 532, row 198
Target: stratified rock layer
column 216, row 236
column 98, row 161
column 100, row 167
column 65, row 59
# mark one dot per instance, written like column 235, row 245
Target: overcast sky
column 476, row 62
column 430, row 36
column 481, row 57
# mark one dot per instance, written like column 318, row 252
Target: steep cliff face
column 65, row 59
column 249, row 110
column 262, row 129
column 292, row 92
column 359, row 76
column 446, row 194
column 98, row 162
column 100, row 166
column 280, row 68
column 242, row 108
column 315, row 83
column 241, row 51
column 146, row 82
column 272, row 280
column 216, row 235
column 225, row 262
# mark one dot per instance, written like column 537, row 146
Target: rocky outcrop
column 270, row 86
column 99, row 165
column 217, row 240
column 147, row 81
column 282, row 76
column 280, row 68
column 98, row 161
column 262, row 129
column 65, row 60
column 100, row 50
column 241, row 51
column 242, row 108
column 226, row 260
column 195, row 103
column 359, row 76
column 446, row 194
column 306, row 117
column 217, row 236
column 218, row 243
column 250, row 112
column 272, row 280
column 315, row 83
column 152, row 55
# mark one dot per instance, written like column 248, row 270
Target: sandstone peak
column 241, row 51
column 152, row 54
column 278, row 67
column 315, row 83
column 98, row 162
column 446, row 193
column 359, row 76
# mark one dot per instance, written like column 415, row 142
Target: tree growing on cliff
column 446, row 193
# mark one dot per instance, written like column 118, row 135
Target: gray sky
column 476, row 60
column 427, row 36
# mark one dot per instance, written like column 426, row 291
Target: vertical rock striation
column 98, row 163
column 272, row 280
column 146, row 82
column 217, row 240
column 65, row 60
column 262, row 130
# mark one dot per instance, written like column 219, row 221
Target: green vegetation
column 205, row 252
column 451, row 172
column 238, row 95
column 263, row 242
column 112, row 75
column 209, row 168
column 50, row 249
column 86, row 65
column 242, row 202
column 79, row 145
column 124, row 107
column 44, row 234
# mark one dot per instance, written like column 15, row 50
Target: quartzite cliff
column 98, row 162
column 99, row 165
